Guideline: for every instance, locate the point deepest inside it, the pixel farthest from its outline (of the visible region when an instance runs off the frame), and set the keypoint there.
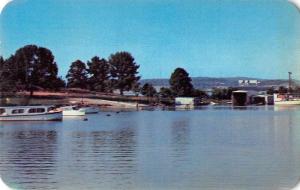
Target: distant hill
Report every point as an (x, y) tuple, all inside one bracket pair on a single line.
[(210, 82)]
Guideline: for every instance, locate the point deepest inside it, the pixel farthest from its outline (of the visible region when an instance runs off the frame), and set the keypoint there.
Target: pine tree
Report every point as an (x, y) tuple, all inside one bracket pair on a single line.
[(148, 90), (32, 67), (99, 74), (124, 71), (77, 75), (181, 83)]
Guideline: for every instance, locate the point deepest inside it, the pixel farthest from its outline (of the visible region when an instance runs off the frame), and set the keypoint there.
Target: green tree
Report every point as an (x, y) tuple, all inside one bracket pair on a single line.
[(136, 88), (109, 86), (33, 67), (57, 84), (271, 91), (7, 83), (2, 61), (77, 75), (217, 93), (2, 73), (229, 91), (296, 89), (148, 90), (222, 93), (166, 96), (181, 83), (98, 70), (199, 93), (165, 92), (124, 71), (282, 90)]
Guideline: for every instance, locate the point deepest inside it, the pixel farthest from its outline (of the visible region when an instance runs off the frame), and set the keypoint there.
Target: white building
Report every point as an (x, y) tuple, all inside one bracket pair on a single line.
[(186, 102), (248, 82)]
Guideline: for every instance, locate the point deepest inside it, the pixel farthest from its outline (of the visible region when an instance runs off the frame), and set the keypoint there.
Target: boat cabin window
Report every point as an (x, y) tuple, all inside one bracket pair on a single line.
[(17, 111), (36, 110), (2, 111)]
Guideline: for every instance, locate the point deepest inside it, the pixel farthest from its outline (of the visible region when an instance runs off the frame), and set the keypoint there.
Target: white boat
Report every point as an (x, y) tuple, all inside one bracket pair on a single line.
[(89, 109), (72, 111), (30, 113), (288, 102), (286, 99)]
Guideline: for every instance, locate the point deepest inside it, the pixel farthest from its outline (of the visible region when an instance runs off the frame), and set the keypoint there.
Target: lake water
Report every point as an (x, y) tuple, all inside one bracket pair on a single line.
[(212, 148)]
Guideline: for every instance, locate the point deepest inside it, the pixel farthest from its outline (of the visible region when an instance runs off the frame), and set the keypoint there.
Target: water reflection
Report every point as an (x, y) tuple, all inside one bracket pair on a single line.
[(28, 158), (102, 156), (255, 148), (180, 139)]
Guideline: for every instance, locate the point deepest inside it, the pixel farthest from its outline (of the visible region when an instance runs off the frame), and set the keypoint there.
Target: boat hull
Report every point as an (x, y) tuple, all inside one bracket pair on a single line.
[(89, 110), (73, 113), (56, 116), (287, 103)]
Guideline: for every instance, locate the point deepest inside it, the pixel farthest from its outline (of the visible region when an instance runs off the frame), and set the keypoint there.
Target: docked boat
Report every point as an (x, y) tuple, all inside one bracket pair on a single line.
[(89, 109), (286, 99), (72, 111), (30, 113)]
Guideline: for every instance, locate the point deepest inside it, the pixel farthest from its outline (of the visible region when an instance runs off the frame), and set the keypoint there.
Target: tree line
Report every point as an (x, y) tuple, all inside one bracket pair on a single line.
[(32, 68), (120, 72)]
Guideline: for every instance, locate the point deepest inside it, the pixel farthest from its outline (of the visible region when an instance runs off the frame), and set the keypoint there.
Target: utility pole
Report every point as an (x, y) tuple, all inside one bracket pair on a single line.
[(290, 82)]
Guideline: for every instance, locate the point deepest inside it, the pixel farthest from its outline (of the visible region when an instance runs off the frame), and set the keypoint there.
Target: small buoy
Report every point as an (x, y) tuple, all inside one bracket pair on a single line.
[(107, 114), (85, 119)]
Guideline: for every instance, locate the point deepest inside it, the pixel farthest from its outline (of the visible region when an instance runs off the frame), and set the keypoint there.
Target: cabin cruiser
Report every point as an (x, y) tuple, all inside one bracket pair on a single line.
[(286, 99), (30, 113)]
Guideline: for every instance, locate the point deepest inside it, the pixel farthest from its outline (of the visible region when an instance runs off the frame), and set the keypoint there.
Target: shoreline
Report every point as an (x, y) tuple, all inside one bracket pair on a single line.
[(64, 98), (104, 100)]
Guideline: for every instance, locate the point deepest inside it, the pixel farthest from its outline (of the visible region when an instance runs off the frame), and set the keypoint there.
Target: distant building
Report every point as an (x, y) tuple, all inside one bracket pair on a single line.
[(248, 82), (127, 93)]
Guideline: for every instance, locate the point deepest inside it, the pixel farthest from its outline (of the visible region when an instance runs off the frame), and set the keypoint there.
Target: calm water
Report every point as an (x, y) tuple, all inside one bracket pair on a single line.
[(213, 148)]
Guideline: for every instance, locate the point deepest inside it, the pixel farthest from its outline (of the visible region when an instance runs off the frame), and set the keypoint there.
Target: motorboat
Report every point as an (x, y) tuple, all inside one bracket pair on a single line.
[(72, 111), (30, 113), (89, 109), (286, 99)]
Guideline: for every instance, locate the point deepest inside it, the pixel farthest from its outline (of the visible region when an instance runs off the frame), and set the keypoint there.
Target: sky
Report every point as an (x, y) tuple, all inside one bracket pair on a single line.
[(209, 38)]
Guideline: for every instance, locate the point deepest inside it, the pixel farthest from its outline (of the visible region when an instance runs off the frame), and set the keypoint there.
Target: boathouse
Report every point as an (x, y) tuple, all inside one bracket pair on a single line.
[(242, 97)]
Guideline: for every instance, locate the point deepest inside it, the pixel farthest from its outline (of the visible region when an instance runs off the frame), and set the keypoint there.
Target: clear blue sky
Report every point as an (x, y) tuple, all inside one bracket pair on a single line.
[(216, 38)]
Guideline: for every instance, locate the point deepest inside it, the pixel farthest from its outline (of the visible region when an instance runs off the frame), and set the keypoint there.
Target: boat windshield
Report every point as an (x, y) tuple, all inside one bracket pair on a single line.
[(51, 109)]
